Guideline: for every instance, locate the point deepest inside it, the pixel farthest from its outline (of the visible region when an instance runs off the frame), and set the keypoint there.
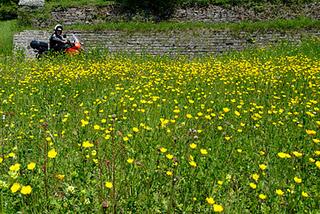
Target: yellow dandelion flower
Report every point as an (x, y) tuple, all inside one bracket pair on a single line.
[(31, 166), (125, 138), (203, 151), (189, 116), (26, 190), (318, 164), (108, 185), (284, 155), (87, 144), (262, 166), (262, 153), (262, 196), (60, 176), (169, 173), (279, 192), (253, 185), (226, 110), (193, 145), (297, 180), (15, 187), (237, 113), (130, 160), (135, 129), (193, 163), (52, 153), (15, 167), (297, 154), (96, 127), (311, 160), (316, 141), (210, 200), (163, 150), (255, 176), (84, 122), (169, 156), (311, 132), (217, 208), (304, 194)]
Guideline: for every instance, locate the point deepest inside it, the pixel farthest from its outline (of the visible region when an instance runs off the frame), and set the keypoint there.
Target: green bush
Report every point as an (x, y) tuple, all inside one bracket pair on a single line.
[(161, 9), (8, 9)]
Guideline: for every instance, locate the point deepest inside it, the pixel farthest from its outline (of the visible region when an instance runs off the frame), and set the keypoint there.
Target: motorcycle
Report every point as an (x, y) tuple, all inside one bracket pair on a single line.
[(42, 48)]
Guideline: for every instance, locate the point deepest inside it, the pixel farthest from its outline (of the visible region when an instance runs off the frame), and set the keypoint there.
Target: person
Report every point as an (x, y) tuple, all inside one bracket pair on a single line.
[(57, 42)]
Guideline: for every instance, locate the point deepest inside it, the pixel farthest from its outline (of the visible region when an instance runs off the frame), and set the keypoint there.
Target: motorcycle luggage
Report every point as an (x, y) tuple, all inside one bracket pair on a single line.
[(40, 46)]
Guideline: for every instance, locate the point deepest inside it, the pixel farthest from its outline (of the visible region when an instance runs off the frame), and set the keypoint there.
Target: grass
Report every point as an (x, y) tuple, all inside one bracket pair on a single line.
[(278, 25), (143, 134), (68, 3), (7, 30)]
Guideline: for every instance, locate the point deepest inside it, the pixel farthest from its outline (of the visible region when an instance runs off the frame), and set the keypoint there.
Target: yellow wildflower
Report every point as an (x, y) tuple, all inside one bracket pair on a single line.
[(262, 166), (284, 155), (203, 151), (304, 194), (87, 144), (210, 200), (217, 208), (163, 150), (311, 132), (15, 167), (253, 185), (262, 196), (52, 153), (279, 192), (297, 180), (26, 190), (31, 166), (108, 185), (193, 163), (15, 187), (130, 160), (193, 145), (255, 176)]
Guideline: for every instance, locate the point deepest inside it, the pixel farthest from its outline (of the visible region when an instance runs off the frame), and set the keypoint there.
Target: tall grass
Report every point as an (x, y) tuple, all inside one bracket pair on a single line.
[(7, 30), (145, 134)]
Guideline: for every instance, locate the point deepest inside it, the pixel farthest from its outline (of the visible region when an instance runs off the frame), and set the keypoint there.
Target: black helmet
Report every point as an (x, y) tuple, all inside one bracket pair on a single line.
[(58, 27)]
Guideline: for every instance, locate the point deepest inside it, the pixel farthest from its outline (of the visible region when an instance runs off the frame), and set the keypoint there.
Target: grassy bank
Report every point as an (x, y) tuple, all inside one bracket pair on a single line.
[(279, 25)]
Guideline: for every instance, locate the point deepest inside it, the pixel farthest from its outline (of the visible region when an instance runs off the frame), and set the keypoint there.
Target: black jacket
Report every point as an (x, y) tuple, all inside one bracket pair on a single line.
[(57, 43)]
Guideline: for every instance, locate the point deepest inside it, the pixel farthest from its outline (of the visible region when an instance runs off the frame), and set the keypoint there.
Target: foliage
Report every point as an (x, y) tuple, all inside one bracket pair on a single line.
[(162, 9), (142, 134), (8, 10)]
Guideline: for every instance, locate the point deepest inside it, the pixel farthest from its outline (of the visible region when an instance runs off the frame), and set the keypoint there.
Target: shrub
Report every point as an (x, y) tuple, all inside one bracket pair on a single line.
[(8, 9), (161, 9)]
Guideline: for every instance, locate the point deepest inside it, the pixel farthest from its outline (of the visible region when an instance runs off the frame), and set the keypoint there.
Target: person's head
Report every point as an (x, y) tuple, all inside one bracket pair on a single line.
[(58, 29)]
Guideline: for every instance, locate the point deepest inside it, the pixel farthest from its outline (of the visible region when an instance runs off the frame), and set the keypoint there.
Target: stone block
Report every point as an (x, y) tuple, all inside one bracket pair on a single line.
[(31, 3)]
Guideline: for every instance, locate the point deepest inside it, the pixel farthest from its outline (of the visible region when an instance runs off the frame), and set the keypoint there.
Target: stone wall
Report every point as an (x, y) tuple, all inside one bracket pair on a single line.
[(198, 42), (215, 14)]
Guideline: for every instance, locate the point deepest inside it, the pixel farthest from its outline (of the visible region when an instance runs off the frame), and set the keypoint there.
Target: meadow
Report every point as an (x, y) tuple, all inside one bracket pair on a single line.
[(102, 133)]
